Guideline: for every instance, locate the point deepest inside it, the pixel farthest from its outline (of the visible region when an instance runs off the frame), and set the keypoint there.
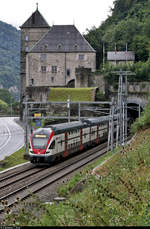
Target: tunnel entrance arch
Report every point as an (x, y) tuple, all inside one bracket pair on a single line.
[(133, 111)]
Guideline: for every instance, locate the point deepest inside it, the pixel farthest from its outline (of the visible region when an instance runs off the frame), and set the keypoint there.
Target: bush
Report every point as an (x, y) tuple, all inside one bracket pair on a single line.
[(76, 94), (3, 106), (144, 120)]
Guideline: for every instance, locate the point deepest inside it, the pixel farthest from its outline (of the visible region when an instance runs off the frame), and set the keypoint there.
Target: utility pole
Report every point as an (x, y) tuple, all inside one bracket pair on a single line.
[(26, 129), (79, 111), (68, 106), (111, 127), (122, 106), (125, 103)]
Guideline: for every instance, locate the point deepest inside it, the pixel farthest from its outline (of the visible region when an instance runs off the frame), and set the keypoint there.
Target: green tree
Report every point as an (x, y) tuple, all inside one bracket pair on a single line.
[(141, 46), (3, 106), (122, 7), (129, 23), (94, 36), (6, 96)]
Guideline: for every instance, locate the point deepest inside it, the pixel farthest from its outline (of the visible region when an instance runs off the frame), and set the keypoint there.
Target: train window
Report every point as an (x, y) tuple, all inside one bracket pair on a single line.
[(61, 142), (52, 146), (40, 142)]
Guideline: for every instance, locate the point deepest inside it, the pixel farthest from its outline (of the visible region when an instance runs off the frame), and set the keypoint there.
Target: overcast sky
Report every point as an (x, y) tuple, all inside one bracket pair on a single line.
[(83, 13)]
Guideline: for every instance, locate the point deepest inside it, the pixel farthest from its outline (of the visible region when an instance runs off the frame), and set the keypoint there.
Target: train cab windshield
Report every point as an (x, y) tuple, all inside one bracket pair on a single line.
[(39, 141)]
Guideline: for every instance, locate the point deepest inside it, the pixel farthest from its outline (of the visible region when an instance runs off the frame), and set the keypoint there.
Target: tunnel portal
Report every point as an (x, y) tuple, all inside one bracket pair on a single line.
[(133, 111)]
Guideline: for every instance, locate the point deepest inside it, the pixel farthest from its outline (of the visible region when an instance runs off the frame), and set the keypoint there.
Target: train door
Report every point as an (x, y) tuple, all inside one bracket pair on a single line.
[(61, 143), (56, 139), (81, 137), (97, 138), (66, 145)]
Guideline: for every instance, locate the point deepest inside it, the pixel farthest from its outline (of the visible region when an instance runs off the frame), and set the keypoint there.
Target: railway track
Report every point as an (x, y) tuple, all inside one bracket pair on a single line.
[(32, 179)]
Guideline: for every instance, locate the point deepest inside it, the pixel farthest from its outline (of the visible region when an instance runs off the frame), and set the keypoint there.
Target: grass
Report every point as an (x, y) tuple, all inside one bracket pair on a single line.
[(12, 160), (76, 94), (64, 190), (118, 195)]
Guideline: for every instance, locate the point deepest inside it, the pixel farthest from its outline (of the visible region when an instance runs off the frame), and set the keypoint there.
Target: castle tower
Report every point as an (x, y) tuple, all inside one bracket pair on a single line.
[(31, 32)]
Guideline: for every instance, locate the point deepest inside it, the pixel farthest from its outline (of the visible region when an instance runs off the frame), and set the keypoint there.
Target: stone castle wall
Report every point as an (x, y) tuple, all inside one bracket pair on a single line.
[(63, 62), (29, 36)]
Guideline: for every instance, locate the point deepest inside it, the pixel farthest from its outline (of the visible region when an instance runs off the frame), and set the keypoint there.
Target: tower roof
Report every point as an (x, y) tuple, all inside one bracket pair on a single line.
[(36, 20), (63, 38)]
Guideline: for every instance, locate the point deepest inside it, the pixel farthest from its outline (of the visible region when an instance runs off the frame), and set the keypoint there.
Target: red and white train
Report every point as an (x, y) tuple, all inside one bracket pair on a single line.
[(60, 140)]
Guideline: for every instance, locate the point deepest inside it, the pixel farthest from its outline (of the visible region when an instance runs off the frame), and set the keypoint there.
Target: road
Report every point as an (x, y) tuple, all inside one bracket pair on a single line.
[(11, 136)]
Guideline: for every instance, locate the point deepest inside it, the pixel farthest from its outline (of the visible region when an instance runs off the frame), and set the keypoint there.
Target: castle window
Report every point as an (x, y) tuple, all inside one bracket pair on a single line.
[(59, 46), (26, 38), (43, 57), (45, 46), (81, 57), (54, 69), (27, 49), (68, 72), (76, 46), (31, 82), (68, 34), (43, 69), (52, 79)]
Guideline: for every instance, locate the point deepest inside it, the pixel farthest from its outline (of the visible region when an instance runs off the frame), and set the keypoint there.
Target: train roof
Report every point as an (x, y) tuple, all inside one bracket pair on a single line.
[(59, 128), (97, 120)]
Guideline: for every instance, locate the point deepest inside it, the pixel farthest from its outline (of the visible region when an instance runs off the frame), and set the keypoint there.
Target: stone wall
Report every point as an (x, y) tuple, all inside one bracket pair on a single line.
[(129, 62), (82, 77), (86, 78), (63, 61), (38, 93), (134, 87), (29, 36)]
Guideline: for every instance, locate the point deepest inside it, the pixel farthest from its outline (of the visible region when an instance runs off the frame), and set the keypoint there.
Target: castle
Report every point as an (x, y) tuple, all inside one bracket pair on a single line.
[(50, 57)]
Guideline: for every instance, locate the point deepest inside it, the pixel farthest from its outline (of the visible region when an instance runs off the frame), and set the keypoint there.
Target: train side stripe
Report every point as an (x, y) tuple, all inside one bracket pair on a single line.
[(50, 138)]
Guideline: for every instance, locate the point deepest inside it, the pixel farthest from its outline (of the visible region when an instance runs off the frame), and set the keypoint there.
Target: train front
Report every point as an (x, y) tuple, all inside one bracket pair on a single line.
[(40, 150)]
